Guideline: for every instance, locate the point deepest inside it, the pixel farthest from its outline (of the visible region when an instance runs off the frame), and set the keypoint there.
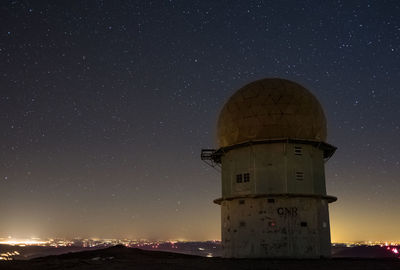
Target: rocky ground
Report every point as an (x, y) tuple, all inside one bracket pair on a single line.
[(120, 257)]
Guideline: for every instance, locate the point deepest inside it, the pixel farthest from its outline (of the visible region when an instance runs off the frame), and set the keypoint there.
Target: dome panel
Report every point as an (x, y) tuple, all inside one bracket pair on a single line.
[(271, 109)]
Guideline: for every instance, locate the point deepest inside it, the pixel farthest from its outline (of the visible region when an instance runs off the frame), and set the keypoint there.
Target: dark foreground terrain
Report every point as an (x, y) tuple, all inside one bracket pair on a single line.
[(120, 257)]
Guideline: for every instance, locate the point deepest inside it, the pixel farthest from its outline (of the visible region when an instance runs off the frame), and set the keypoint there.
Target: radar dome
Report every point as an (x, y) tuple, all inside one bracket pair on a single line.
[(271, 109)]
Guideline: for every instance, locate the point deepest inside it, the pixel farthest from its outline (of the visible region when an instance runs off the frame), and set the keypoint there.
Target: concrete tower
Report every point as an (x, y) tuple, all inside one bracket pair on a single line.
[(272, 149)]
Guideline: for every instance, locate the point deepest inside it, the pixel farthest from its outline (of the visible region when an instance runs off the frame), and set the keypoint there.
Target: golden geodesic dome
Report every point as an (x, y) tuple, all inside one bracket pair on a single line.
[(271, 109)]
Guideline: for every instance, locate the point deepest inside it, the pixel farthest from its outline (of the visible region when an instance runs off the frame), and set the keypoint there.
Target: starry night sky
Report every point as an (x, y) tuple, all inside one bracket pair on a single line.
[(105, 106)]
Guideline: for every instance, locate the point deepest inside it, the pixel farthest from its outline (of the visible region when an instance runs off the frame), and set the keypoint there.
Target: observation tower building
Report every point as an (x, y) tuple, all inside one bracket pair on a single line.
[(272, 150)]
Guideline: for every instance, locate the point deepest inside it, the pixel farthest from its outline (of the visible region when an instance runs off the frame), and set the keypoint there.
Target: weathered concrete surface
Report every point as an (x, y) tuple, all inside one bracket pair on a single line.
[(282, 211), (274, 168), (275, 226)]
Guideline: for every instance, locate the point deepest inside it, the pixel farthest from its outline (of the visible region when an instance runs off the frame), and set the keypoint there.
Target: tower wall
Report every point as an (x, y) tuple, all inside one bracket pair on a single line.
[(274, 202), (275, 226), (273, 168)]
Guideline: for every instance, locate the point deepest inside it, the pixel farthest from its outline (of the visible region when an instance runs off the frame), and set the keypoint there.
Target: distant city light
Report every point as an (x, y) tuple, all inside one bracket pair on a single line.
[(210, 248), (8, 256), (24, 242)]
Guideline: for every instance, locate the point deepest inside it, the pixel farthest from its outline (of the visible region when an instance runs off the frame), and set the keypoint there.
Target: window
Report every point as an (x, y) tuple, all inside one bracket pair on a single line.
[(303, 224), (242, 224), (239, 178), (271, 200), (298, 150), (241, 201), (246, 177), (300, 176), (242, 178)]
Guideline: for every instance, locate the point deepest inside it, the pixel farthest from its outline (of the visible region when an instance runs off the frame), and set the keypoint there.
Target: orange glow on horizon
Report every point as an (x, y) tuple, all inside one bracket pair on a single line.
[(23, 242)]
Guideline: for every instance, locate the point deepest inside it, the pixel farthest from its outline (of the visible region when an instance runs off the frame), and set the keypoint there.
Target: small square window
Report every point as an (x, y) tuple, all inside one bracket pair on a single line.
[(271, 200), (298, 150), (303, 224), (239, 178), (246, 177), (300, 176), (242, 224), (241, 201)]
